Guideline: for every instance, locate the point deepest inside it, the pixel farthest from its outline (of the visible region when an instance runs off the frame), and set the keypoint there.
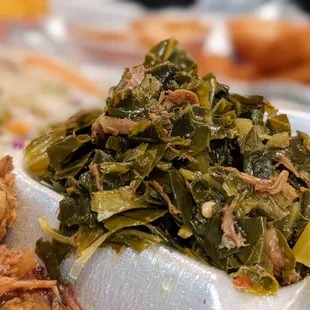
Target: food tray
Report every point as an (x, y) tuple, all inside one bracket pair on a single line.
[(159, 277)]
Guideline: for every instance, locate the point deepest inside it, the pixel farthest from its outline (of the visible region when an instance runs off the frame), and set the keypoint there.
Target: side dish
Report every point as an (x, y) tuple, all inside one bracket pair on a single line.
[(264, 49), (48, 92), (24, 281), (179, 160)]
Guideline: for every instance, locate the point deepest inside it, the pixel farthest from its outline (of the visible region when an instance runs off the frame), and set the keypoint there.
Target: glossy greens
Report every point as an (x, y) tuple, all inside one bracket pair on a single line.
[(177, 159)]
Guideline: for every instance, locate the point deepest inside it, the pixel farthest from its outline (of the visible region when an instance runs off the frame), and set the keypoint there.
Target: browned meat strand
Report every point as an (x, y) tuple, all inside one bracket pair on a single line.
[(230, 238), (111, 125)]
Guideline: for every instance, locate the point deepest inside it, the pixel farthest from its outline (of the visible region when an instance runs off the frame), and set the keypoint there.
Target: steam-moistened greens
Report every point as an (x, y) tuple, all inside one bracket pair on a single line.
[(179, 160)]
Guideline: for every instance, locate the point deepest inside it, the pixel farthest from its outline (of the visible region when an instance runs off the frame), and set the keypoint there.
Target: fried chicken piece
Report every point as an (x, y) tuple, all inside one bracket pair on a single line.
[(8, 201), (24, 282), (270, 45), (29, 301)]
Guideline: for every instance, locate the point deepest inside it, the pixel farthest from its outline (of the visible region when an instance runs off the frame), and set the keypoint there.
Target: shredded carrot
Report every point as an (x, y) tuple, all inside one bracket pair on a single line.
[(63, 72), (21, 129)]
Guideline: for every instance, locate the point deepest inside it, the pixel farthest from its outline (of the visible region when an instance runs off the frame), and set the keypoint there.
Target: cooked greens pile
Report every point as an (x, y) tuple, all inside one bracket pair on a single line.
[(177, 159)]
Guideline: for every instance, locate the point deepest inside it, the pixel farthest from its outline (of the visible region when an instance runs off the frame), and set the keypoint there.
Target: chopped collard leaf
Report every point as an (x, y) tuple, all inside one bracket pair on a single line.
[(177, 159)]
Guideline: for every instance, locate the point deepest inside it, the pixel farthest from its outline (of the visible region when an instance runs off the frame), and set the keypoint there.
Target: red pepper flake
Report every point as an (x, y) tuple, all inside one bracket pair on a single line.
[(242, 282)]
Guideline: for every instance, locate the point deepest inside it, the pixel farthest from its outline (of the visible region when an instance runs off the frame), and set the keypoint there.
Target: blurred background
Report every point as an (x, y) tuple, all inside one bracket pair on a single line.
[(57, 57)]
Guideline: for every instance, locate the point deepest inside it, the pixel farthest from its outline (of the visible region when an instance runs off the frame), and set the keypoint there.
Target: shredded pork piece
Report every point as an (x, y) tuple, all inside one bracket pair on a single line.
[(8, 201), (159, 113), (172, 208), (133, 80), (94, 170), (69, 297), (289, 193), (272, 186), (190, 158), (277, 256), (31, 301), (273, 250), (110, 125), (135, 77), (230, 238), (24, 283), (16, 263), (16, 271), (286, 162), (8, 284), (179, 96)]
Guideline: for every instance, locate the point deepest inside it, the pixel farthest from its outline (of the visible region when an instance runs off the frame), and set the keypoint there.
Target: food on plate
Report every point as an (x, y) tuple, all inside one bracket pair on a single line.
[(264, 49), (177, 159), (271, 45), (8, 201), (24, 284), (63, 73), (126, 42), (190, 32), (24, 281), (48, 91)]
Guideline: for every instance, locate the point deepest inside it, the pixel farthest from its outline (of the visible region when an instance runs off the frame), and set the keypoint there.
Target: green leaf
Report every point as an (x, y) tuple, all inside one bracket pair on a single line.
[(76, 210), (133, 218), (73, 168), (181, 198), (87, 236), (135, 153), (46, 252), (36, 155), (254, 230), (279, 123), (135, 239), (279, 141), (65, 147), (259, 164), (108, 203)]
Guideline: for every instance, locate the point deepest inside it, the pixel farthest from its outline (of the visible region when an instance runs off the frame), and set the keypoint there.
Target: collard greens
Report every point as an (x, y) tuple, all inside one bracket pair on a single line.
[(179, 160)]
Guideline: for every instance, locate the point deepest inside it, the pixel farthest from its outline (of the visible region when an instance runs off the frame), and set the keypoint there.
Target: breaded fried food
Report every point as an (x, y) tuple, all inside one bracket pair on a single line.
[(8, 201), (270, 45)]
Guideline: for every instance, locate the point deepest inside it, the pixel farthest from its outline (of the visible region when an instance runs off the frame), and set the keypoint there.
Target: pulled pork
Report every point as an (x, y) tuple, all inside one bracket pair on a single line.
[(274, 186), (273, 250), (8, 201), (110, 125), (230, 238), (286, 162), (21, 276), (179, 96), (276, 255), (130, 80), (24, 282)]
